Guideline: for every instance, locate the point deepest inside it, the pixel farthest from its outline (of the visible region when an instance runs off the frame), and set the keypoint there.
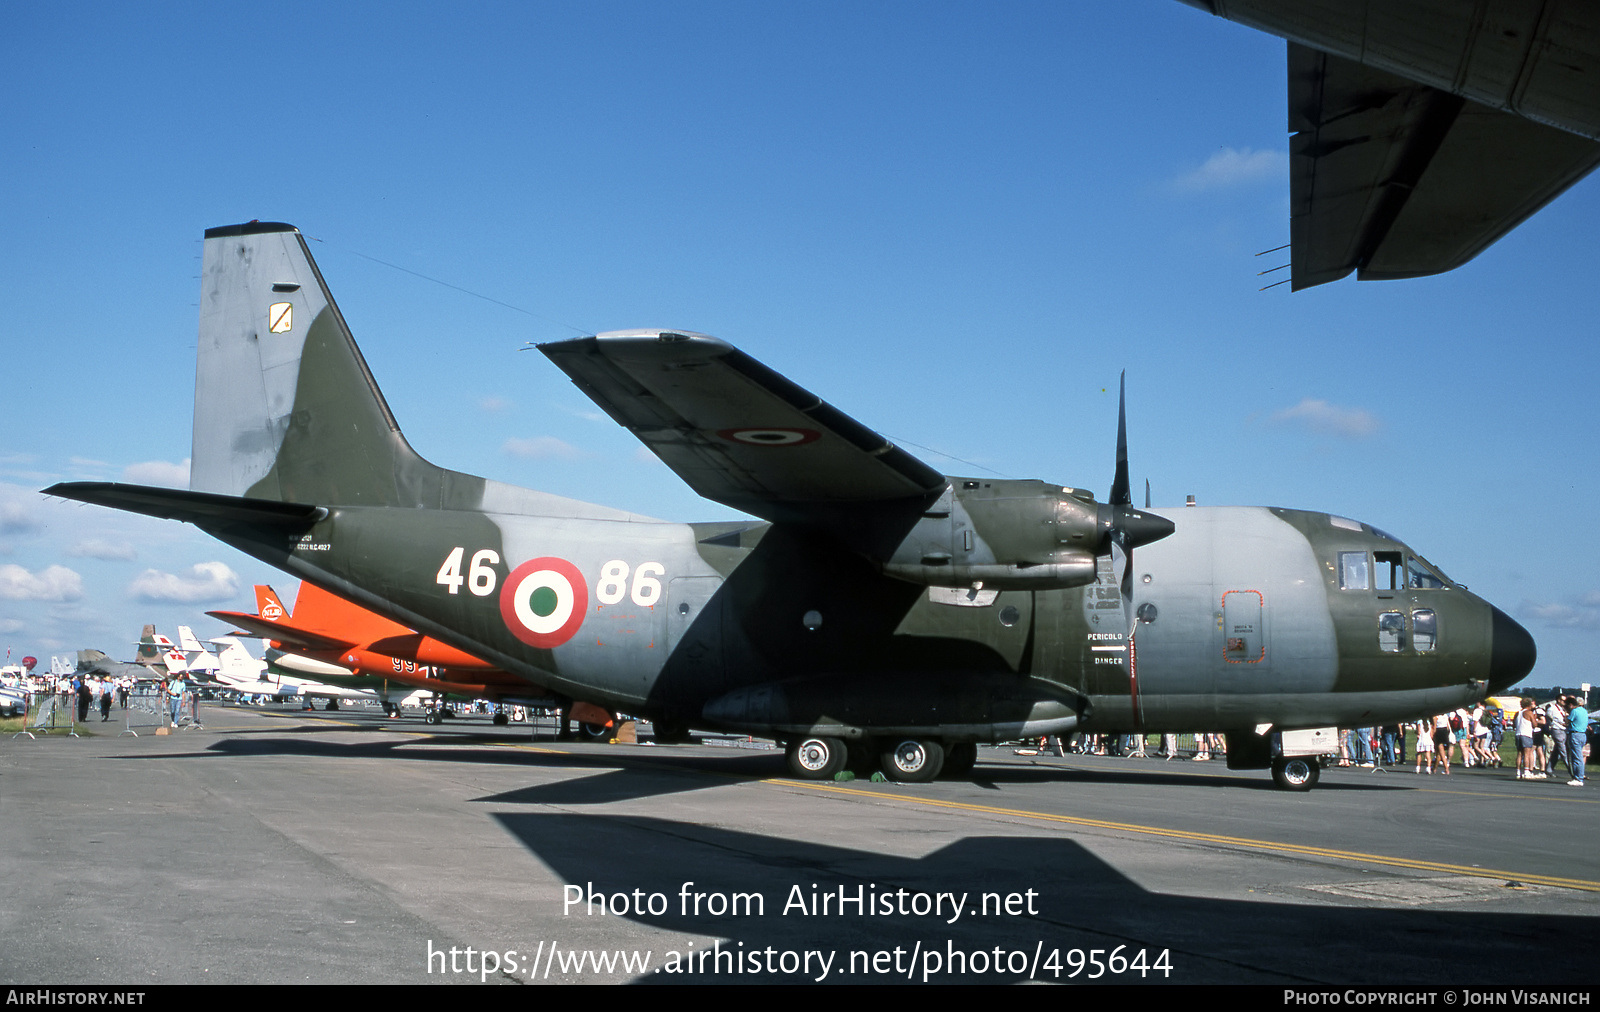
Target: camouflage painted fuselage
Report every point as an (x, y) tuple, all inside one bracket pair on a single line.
[(773, 629)]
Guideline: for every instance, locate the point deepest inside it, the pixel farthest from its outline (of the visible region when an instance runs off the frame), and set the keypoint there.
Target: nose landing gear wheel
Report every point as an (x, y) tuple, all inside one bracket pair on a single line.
[(913, 761), (1296, 773), (816, 757)]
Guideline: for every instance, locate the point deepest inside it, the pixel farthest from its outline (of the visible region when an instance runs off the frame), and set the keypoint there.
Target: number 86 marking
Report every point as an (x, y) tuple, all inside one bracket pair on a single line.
[(613, 585)]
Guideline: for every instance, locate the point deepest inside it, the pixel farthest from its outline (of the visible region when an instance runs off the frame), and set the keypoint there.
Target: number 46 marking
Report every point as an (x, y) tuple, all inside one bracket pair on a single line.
[(480, 578)]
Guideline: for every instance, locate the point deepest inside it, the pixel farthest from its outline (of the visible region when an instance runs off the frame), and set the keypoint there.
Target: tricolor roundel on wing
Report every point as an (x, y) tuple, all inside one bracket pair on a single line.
[(770, 437), (543, 602)]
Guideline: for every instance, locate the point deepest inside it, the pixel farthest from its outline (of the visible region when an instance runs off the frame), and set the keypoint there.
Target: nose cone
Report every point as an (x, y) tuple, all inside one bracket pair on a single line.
[(1512, 654)]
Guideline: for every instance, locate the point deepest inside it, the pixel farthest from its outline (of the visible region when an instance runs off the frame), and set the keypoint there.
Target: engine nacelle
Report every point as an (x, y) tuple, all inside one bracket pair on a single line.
[(1004, 534)]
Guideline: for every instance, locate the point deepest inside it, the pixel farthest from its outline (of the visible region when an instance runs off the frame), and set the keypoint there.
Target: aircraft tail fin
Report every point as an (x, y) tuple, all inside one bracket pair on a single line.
[(267, 604), (285, 406), (149, 652), (187, 641), (235, 661)]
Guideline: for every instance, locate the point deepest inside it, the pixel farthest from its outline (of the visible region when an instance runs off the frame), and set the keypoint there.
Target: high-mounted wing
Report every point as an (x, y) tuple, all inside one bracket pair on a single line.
[(742, 435), (1396, 179)]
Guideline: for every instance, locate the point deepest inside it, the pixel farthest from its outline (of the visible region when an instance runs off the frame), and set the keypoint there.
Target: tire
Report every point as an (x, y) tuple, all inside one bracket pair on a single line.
[(1296, 773), (913, 761), (671, 732), (959, 758), (431, 717), (501, 718), (594, 732), (815, 757)]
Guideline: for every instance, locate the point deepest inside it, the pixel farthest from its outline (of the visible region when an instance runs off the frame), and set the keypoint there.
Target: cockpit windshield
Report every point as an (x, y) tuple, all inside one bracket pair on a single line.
[(1421, 576)]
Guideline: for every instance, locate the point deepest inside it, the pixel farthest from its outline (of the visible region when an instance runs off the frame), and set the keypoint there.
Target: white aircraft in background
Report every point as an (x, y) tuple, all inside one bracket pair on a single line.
[(233, 668)]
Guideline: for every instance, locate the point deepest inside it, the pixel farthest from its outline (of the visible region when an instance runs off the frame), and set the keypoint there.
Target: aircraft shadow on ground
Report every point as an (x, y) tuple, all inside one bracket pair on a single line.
[(1082, 903)]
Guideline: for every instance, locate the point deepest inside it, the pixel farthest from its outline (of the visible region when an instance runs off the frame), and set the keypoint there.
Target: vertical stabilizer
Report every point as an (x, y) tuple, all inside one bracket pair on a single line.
[(267, 604), (285, 406)]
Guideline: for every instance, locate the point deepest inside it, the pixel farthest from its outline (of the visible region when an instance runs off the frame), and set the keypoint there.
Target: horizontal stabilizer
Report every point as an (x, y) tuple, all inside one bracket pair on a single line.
[(203, 509), (282, 632)]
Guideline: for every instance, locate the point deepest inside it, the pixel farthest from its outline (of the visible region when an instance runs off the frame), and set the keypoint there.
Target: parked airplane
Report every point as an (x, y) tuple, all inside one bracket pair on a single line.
[(335, 640), (155, 658), (877, 604), (233, 668), (1423, 132)]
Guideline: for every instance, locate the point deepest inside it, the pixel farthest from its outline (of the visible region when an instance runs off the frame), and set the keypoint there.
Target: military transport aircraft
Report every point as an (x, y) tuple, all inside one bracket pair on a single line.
[(1425, 131), (878, 608)]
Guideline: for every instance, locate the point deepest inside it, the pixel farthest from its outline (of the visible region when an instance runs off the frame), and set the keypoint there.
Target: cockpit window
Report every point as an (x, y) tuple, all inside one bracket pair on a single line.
[(1420, 577), (1389, 575), (1353, 572)]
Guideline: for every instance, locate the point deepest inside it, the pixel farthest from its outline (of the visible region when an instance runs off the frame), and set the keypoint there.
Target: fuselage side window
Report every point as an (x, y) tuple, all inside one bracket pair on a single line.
[(1424, 629), (1353, 573), (1389, 574), (1391, 631)]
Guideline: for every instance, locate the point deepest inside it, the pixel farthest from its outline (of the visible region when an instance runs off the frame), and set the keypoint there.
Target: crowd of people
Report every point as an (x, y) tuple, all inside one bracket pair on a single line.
[(1468, 738)]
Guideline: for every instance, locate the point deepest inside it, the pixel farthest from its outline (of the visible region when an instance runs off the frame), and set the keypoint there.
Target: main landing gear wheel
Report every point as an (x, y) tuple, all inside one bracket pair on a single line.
[(501, 718), (1296, 773), (959, 758), (815, 757), (432, 717), (594, 732), (913, 761)]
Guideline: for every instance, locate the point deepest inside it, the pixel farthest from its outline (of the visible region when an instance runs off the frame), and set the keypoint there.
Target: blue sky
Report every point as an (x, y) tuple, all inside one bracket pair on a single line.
[(956, 223)]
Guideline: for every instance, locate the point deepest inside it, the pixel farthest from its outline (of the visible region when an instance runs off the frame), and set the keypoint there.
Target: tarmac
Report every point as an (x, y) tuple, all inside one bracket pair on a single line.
[(277, 846)]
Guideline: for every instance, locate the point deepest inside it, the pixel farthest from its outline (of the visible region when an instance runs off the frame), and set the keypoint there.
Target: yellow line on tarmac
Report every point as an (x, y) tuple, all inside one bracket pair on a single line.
[(1230, 841)]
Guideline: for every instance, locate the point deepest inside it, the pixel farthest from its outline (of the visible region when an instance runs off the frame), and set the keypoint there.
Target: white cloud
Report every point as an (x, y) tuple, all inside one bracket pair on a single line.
[(17, 509), (541, 448), (12, 625), (493, 404), (57, 583), (1583, 613), (1330, 419), (1234, 167), (99, 548), (209, 581), (158, 472)]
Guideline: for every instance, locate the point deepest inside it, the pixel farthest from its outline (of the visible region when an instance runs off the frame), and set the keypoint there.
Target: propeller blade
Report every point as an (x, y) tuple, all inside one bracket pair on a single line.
[(1120, 495), (1128, 528)]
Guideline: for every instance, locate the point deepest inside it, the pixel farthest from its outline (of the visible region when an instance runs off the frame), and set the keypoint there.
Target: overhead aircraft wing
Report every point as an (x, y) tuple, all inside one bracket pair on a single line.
[(742, 435), (1395, 179)]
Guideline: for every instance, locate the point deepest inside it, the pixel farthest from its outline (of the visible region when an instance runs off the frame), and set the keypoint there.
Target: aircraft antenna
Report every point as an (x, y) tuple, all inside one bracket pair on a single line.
[(1276, 284), (465, 291), (1274, 249)]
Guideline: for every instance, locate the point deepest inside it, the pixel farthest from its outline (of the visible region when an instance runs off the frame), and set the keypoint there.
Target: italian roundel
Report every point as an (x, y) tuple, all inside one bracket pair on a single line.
[(543, 602)]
